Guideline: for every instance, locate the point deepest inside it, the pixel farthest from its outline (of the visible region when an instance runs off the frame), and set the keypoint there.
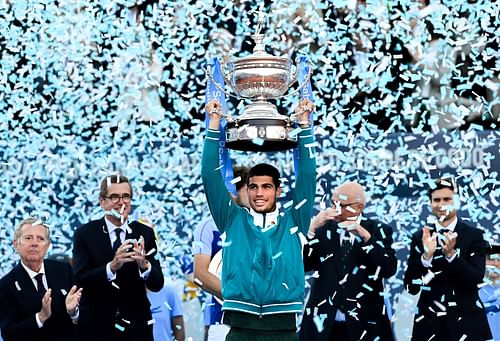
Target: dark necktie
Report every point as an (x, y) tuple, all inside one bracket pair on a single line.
[(39, 284), (118, 240), (345, 250), (443, 231)]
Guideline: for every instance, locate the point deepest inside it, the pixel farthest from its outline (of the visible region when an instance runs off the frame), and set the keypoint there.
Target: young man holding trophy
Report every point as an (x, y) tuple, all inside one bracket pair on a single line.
[(262, 275)]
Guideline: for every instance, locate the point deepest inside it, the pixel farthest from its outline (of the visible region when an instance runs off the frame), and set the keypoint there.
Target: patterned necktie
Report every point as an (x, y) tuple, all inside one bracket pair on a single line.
[(118, 240), (39, 284)]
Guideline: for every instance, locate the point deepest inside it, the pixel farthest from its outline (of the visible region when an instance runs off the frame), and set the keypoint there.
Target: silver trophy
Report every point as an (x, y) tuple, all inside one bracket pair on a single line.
[(260, 77)]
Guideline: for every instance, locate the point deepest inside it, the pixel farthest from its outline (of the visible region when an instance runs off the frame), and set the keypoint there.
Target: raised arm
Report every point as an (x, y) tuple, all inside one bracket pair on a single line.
[(305, 183), (219, 201)]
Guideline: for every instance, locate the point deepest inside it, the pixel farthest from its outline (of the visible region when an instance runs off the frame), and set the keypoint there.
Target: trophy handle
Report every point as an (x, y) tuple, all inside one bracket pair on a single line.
[(225, 73), (208, 71), (294, 78)]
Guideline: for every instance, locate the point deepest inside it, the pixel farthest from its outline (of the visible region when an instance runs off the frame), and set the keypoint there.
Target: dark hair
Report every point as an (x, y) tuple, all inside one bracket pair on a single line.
[(242, 172), (440, 184), (264, 169), (113, 179)]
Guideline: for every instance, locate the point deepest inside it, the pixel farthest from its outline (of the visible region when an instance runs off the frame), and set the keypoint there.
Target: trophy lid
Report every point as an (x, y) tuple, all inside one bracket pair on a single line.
[(260, 56)]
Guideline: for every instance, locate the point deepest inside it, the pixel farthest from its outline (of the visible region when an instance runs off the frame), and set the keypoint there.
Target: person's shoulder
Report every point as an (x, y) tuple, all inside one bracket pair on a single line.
[(9, 277), (324, 231), (91, 225), (206, 223), (375, 225), (468, 227), (141, 228), (57, 265)]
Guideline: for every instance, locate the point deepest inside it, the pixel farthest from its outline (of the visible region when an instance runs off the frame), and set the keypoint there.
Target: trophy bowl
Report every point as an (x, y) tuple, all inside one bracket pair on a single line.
[(260, 76)]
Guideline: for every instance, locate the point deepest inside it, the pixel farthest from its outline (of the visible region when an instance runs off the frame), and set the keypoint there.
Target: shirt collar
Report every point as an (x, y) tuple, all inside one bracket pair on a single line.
[(112, 227), (451, 226), (32, 273), (349, 235)]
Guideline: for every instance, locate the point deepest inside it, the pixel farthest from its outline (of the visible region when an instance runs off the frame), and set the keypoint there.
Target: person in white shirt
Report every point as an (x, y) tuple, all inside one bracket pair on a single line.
[(38, 298), (115, 262), (351, 256), (446, 265)]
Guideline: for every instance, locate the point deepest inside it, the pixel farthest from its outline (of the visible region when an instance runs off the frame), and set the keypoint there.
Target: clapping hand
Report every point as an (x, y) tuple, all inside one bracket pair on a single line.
[(429, 241), (46, 311), (139, 254), (355, 228), (73, 300), (448, 243)]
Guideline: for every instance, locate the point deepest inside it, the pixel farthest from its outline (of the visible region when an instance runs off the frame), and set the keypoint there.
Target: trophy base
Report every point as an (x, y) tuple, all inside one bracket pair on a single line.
[(260, 134)]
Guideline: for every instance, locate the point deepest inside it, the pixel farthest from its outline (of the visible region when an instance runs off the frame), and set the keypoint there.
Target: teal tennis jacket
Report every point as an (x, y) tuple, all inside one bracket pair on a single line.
[(262, 271)]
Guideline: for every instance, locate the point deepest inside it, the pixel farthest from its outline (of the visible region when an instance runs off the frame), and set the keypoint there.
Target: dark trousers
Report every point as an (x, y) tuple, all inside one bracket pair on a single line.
[(249, 327), (338, 331), (242, 334), (443, 334)]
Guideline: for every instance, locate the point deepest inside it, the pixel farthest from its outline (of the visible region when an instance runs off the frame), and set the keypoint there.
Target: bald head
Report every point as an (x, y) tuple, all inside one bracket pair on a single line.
[(349, 193)]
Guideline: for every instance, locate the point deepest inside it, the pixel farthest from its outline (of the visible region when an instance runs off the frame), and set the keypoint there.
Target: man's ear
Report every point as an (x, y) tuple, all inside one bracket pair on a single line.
[(278, 192)]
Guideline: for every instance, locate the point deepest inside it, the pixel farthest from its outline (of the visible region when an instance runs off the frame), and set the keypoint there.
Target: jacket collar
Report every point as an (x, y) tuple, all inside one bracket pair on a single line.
[(264, 220)]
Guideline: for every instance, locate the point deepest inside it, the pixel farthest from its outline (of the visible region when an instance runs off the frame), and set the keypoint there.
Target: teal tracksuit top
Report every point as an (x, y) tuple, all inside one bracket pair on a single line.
[(262, 270)]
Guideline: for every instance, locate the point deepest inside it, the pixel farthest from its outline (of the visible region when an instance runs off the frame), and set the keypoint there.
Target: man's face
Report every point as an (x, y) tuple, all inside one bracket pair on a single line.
[(118, 198), (32, 244), (346, 206), (443, 204), (262, 193)]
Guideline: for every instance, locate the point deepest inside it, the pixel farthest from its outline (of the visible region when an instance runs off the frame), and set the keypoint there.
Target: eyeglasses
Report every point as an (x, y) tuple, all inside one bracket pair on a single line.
[(348, 206), (116, 197)]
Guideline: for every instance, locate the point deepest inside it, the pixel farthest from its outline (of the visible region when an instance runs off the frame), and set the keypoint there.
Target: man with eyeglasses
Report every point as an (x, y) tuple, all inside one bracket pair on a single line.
[(114, 262), (38, 299), (351, 256)]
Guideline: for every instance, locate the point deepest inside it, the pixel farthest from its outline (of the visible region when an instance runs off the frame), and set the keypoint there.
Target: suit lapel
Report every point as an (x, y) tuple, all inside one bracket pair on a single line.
[(460, 231), (335, 240), (102, 240), (26, 287), (130, 233)]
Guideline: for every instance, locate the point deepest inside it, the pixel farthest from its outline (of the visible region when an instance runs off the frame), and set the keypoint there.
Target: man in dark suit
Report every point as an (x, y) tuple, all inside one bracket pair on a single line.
[(114, 262), (38, 300), (351, 255), (446, 264)]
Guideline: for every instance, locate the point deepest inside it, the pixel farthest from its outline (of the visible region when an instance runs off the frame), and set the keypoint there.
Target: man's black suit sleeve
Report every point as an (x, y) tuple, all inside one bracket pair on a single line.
[(311, 252), (154, 282), (379, 250), (88, 275), (467, 270), (415, 269), (14, 327)]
